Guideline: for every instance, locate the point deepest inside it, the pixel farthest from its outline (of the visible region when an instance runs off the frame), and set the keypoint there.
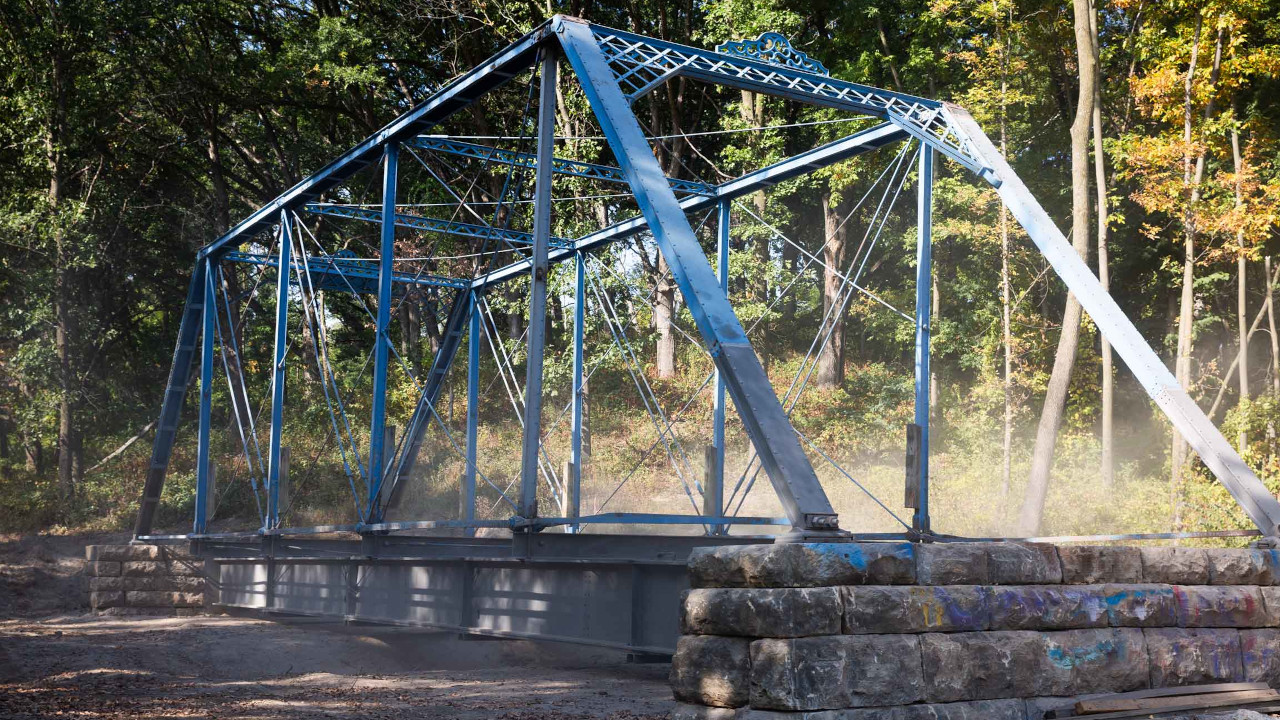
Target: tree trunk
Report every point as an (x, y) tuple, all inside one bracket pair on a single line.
[(831, 356), (663, 311), (752, 113), (1242, 300), (411, 331), (1104, 271), (1186, 313), (1271, 325), (1064, 360), (68, 437)]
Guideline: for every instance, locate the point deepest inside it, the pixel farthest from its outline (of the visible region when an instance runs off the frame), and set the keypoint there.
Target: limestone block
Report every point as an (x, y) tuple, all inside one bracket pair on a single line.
[(101, 568), (142, 552), (1014, 563), (1260, 653), (171, 583), (1095, 660), (105, 584), (143, 568), (1140, 605), (981, 666), (1240, 566), (1175, 565), (711, 670), (687, 711), (1193, 656), (1224, 606), (835, 671), (913, 609), (979, 710), (1047, 607), (752, 714), (952, 564), (149, 598), (1271, 604), (1095, 564), (761, 612), (105, 553), (1037, 708), (103, 600), (803, 565)]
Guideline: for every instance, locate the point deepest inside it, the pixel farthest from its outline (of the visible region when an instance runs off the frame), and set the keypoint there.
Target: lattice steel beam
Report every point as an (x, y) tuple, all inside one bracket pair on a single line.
[(448, 227), (562, 166), (334, 272)]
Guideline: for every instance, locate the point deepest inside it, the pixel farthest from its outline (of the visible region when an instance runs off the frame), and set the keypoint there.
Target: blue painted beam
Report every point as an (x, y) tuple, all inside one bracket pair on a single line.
[(716, 499), (539, 269), (562, 166), (845, 148), (458, 94), (175, 393), (924, 307), (206, 401), (418, 222), (579, 368), (460, 311), (381, 333), (1218, 454), (763, 418), (333, 272), (278, 374), (473, 412)]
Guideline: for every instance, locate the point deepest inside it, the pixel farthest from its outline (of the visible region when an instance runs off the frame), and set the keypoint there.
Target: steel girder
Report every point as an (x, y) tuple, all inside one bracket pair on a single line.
[(335, 272), (447, 227), (562, 166), (616, 67)]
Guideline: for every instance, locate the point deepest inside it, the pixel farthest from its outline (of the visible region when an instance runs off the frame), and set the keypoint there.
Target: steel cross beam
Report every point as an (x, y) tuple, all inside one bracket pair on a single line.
[(562, 166), (845, 148), (418, 222), (641, 63), (333, 272), (762, 415), (492, 73), (175, 392)]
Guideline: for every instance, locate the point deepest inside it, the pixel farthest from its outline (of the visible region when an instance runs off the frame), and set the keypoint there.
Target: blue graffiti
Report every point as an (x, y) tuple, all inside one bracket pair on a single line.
[(1067, 658)]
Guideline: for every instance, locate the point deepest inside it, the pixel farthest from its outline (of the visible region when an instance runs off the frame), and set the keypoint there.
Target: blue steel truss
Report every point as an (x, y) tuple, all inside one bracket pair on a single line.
[(576, 168), (614, 69)]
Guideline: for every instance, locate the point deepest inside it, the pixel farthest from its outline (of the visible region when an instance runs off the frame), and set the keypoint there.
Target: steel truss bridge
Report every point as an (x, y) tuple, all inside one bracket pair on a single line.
[(607, 589)]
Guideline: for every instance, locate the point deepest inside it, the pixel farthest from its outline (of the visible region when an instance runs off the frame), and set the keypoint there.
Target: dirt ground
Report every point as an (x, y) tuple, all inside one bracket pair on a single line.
[(58, 661)]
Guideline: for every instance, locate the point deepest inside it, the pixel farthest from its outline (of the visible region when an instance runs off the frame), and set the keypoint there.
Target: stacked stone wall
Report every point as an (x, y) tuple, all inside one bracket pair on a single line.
[(998, 631), (144, 580)]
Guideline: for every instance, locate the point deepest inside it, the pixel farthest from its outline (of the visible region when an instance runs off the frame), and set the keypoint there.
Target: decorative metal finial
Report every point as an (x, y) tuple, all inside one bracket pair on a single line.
[(774, 49)]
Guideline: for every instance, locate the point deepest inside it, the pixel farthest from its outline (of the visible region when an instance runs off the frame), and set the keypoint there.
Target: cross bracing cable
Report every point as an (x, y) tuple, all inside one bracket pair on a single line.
[(619, 336), (310, 308), (826, 328), (235, 406), (516, 395)]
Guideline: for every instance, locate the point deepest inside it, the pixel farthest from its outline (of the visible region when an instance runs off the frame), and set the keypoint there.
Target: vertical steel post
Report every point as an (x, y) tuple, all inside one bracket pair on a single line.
[(206, 400), (277, 380), (528, 507), (575, 450), (473, 410), (716, 499), (381, 338), (924, 293)]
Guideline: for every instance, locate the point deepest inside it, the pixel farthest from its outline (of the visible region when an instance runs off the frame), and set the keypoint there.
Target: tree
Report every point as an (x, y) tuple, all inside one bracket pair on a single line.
[(1064, 360)]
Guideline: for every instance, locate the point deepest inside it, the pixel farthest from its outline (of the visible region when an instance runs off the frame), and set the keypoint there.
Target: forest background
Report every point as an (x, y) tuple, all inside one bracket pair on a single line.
[(132, 132)]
